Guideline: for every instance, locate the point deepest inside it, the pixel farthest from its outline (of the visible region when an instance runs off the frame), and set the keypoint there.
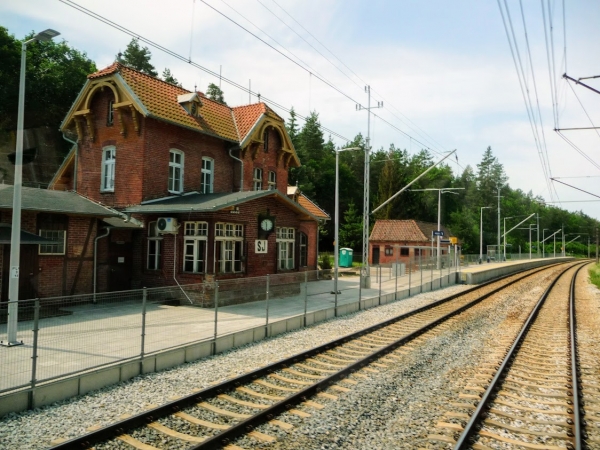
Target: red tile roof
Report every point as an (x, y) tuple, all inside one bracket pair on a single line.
[(160, 100), (312, 207), (404, 230)]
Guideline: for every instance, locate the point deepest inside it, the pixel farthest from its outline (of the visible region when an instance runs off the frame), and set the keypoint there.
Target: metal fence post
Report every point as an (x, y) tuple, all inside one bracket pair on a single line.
[(267, 310), (441, 271), (421, 270), (409, 275), (216, 316), (380, 268), (431, 279), (305, 295), (34, 355), (143, 344)]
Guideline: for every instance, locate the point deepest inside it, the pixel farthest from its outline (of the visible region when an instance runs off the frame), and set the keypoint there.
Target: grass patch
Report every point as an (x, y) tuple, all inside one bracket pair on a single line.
[(595, 274)]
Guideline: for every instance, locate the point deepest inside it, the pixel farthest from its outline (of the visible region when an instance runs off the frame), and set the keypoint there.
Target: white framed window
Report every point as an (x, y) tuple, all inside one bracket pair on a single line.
[(176, 171), (229, 247), (59, 236), (195, 246), (257, 179), (272, 180), (285, 247), (109, 155), (154, 240), (207, 176)]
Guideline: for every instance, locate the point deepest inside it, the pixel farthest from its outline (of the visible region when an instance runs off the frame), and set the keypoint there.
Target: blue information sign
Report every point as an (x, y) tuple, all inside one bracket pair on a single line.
[(438, 233)]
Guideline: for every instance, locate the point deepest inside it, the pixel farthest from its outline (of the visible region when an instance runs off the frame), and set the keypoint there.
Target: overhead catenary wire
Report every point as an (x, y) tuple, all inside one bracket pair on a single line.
[(307, 68), (186, 60), (522, 80)]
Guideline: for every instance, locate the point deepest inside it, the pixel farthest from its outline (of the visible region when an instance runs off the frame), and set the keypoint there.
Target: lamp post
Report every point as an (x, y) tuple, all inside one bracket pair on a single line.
[(15, 238), (336, 244), (543, 240), (481, 232), (530, 239)]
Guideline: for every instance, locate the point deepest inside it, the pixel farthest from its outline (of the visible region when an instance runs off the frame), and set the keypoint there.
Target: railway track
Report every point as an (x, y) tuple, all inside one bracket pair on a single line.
[(216, 416), (531, 397)]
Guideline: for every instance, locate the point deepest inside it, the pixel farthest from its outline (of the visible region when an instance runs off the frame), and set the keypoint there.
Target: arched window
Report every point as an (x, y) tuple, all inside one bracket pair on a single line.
[(266, 140)]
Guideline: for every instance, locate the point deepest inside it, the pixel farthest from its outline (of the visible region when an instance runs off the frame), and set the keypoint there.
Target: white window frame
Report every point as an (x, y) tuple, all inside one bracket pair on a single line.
[(286, 243), (229, 245), (154, 240), (207, 187), (195, 238), (175, 183), (257, 175), (109, 162), (272, 180), (53, 249)]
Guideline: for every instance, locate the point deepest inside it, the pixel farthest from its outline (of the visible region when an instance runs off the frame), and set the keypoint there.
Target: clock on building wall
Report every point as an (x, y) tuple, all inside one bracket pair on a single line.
[(266, 224)]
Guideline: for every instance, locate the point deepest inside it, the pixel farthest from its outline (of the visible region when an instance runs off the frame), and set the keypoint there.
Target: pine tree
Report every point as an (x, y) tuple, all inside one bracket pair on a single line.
[(215, 93), (350, 232), (169, 78), (138, 58), (292, 127)]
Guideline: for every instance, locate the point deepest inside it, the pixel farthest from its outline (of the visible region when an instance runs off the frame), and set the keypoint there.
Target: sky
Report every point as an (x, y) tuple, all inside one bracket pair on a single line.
[(443, 70)]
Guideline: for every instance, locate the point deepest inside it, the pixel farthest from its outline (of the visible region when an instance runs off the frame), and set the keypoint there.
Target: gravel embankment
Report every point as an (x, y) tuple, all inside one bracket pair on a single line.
[(400, 407), (36, 429)]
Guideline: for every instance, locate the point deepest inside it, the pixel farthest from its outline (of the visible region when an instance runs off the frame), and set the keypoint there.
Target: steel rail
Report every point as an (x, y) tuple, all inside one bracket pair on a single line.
[(118, 428), (489, 395), (577, 421)]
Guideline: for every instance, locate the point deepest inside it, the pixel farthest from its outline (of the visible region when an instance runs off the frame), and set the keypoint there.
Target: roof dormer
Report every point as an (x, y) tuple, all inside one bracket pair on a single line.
[(191, 103)]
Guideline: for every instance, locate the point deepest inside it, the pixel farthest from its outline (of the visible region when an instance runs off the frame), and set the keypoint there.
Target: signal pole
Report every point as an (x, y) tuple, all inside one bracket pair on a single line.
[(365, 255)]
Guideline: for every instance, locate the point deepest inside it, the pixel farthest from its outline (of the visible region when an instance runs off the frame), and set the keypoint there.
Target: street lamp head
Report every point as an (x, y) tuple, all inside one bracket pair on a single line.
[(349, 148), (46, 35)]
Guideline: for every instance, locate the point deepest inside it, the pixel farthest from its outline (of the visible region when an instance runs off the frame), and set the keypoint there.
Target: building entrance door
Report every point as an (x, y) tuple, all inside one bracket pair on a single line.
[(28, 272), (375, 256), (120, 264)]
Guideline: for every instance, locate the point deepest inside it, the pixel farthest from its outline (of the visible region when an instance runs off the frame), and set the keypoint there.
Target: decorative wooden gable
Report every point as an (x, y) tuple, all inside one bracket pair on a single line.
[(82, 117), (255, 140)]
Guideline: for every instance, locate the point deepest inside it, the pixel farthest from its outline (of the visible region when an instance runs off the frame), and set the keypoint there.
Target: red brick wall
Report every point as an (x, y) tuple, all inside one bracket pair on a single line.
[(256, 264), (267, 161), (387, 259), (67, 274)]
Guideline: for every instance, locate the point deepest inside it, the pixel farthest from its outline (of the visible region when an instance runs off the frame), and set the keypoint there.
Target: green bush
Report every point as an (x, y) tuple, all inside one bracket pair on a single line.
[(325, 261)]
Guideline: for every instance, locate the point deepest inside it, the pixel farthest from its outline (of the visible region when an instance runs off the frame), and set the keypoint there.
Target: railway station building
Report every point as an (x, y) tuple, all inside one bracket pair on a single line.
[(402, 240), (193, 189)]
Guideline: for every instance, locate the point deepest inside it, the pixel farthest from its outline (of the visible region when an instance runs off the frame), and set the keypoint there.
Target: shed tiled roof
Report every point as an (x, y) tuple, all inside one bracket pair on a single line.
[(312, 207), (404, 230), (160, 100), (44, 200)]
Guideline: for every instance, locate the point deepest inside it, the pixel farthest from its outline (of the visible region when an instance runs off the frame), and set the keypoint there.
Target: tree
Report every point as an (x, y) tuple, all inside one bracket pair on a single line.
[(351, 231), (138, 58), (292, 127), (169, 78), (215, 93), (55, 74)]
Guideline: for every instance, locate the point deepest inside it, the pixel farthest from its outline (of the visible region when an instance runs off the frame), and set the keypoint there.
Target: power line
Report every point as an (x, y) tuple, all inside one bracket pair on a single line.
[(581, 152), (188, 61), (583, 107), (312, 72)]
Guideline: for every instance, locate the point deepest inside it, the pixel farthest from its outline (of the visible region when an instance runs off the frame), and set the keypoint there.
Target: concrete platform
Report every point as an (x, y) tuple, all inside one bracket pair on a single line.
[(98, 345)]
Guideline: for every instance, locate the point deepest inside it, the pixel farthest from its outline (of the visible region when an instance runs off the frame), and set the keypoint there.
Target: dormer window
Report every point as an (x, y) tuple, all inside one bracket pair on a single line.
[(266, 140), (191, 103), (111, 114)]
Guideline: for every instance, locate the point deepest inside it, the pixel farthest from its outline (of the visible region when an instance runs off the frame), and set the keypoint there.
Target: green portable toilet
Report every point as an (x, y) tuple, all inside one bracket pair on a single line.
[(345, 257)]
